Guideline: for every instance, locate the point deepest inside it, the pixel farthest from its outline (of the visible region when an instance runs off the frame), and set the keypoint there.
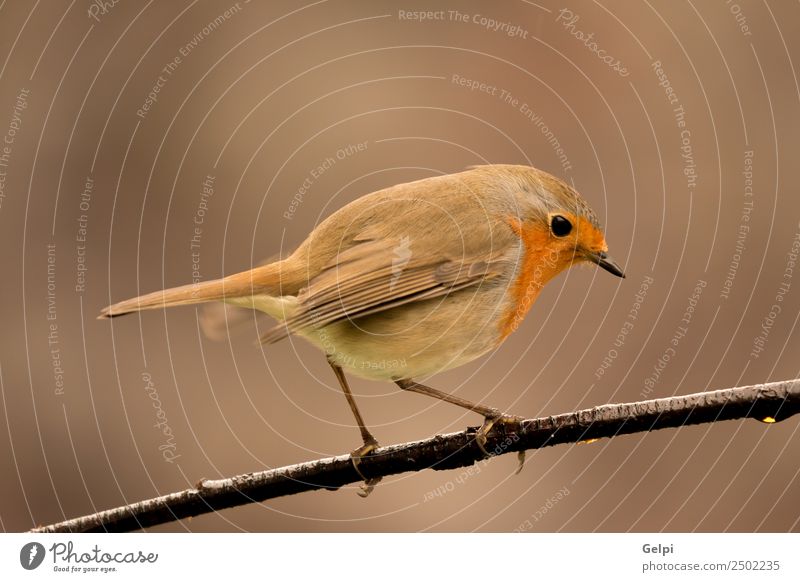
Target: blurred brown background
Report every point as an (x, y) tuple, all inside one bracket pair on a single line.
[(262, 94)]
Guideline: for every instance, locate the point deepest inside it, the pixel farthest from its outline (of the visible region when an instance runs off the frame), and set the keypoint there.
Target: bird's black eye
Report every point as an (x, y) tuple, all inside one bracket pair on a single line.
[(560, 225)]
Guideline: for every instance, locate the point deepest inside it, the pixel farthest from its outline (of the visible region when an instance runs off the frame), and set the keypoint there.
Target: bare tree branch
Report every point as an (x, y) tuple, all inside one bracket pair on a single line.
[(766, 402)]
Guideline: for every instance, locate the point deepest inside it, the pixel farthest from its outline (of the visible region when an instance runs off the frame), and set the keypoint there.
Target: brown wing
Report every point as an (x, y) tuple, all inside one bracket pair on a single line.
[(374, 276)]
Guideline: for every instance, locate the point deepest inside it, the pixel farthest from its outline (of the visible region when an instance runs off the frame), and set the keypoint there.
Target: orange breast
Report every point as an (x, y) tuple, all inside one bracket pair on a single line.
[(540, 263)]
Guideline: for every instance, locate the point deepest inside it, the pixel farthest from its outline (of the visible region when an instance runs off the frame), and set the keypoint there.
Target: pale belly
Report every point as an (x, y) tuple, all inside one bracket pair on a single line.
[(416, 340), (411, 341)]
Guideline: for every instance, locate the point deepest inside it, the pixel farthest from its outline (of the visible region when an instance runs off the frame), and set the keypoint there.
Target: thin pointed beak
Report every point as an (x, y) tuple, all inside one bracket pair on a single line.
[(607, 263)]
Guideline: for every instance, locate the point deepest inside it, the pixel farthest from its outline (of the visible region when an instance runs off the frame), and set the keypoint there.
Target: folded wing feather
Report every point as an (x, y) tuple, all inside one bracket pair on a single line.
[(369, 278)]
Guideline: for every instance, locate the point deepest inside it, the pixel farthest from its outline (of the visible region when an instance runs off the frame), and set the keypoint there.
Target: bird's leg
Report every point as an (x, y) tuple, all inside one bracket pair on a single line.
[(490, 415), (370, 443)]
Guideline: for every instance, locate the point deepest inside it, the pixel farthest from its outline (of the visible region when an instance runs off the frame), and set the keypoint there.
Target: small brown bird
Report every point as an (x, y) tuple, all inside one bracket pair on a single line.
[(417, 278)]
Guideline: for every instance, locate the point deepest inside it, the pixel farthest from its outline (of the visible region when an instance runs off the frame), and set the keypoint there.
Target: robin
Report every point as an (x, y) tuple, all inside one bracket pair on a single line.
[(416, 279)]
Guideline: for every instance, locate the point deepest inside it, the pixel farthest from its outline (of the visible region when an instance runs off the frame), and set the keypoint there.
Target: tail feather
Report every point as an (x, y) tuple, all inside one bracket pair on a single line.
[(183, 295), (269, 279)]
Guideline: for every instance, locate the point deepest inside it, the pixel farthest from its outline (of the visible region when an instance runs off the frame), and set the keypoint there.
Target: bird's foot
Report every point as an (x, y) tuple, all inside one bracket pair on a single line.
[(515, 422), (355, 457)]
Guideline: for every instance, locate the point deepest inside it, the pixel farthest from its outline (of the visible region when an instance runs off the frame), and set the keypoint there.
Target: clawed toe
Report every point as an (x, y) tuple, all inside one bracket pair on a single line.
[(486, 428), (368, 486), (520, 461), (355, 457)]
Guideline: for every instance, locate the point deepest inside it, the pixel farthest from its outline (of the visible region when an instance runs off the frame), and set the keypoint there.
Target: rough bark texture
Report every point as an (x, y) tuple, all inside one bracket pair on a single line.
[(766, 402)]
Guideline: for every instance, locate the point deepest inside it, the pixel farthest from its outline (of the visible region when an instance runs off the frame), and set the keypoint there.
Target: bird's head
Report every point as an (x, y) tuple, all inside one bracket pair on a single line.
[(558, 225)]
